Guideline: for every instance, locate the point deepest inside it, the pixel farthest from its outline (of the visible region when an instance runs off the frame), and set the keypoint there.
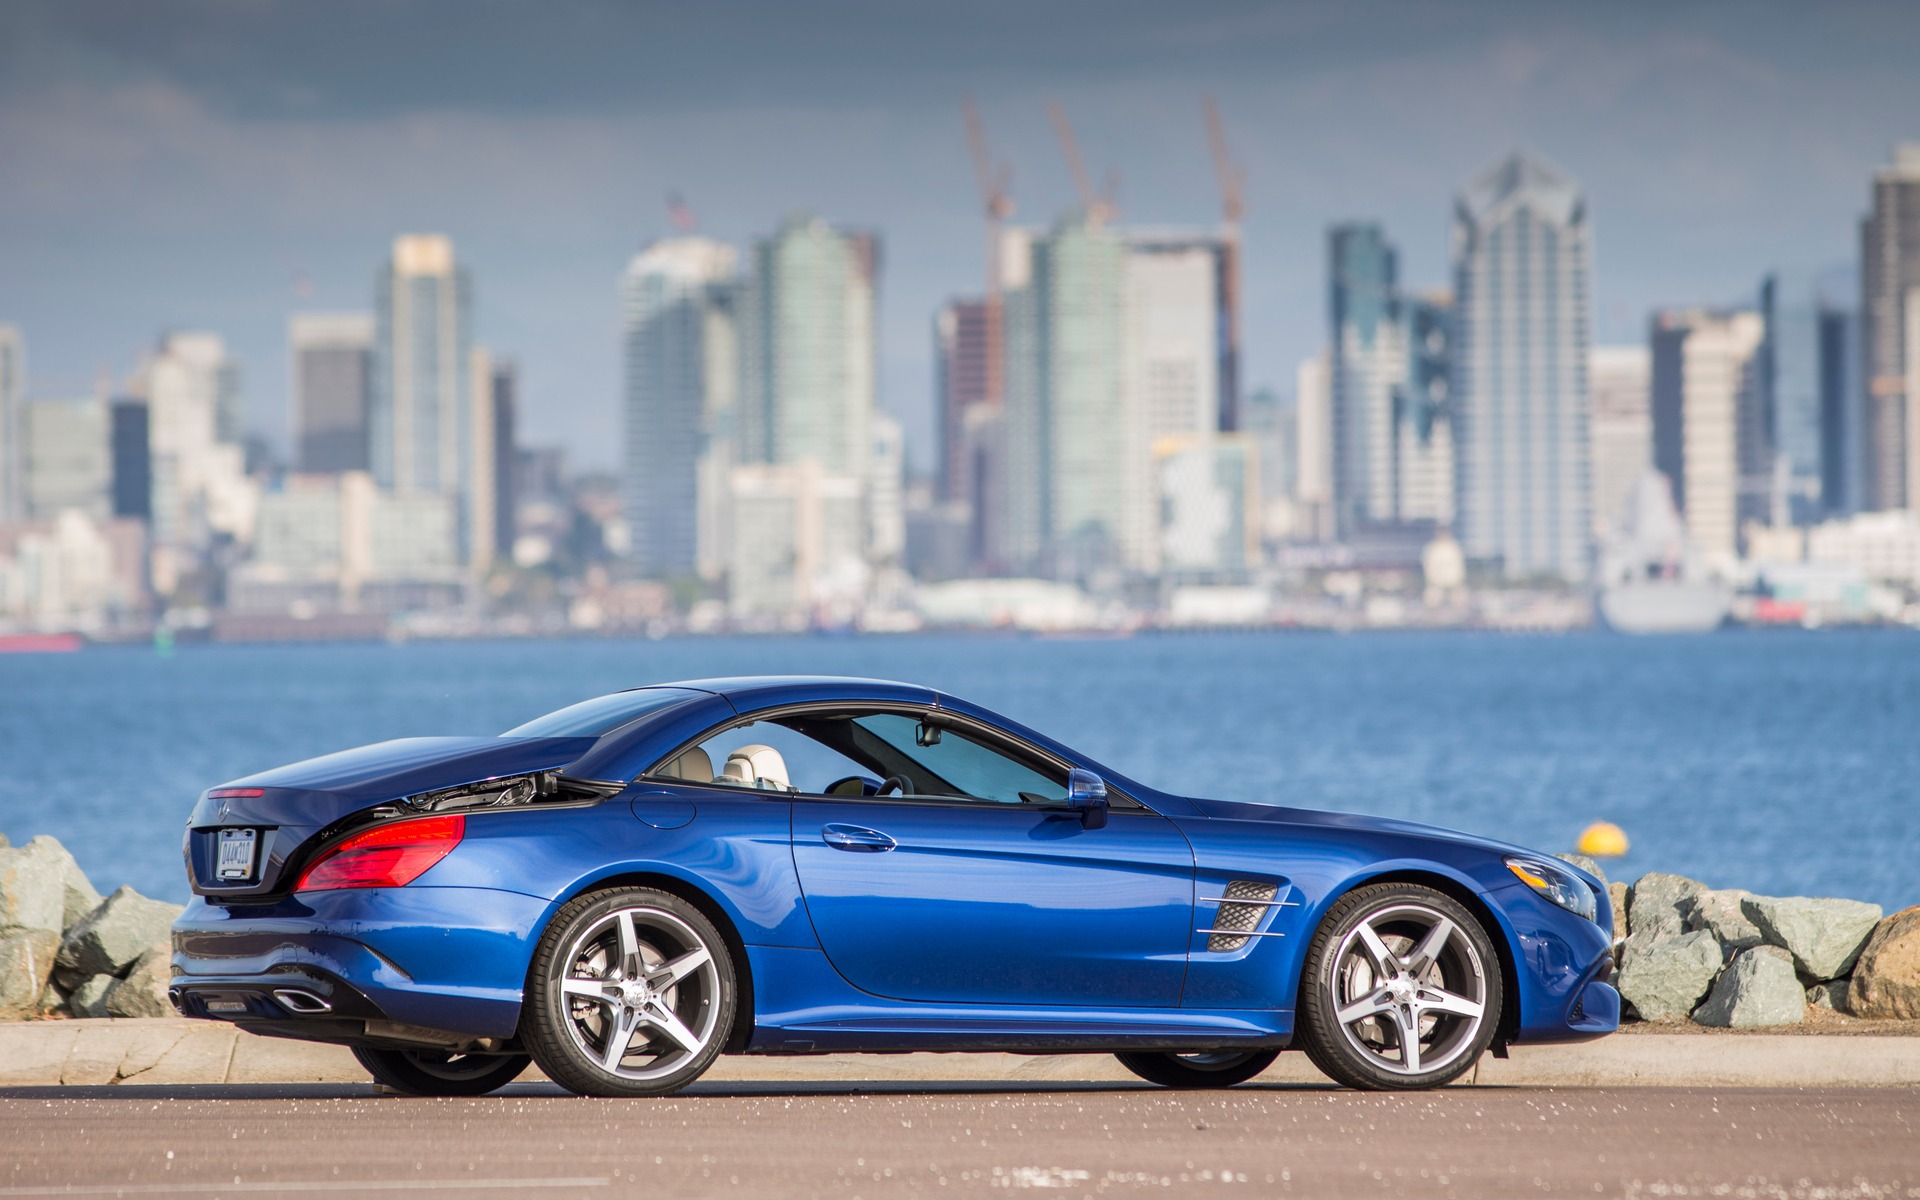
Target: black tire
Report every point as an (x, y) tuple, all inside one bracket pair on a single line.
[(1198, 1069), (1434, 998), (435, 1073), (587, 1040)]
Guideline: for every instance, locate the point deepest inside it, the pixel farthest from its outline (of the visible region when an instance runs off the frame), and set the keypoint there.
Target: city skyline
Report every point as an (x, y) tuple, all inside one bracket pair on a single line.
[(1710, 154)]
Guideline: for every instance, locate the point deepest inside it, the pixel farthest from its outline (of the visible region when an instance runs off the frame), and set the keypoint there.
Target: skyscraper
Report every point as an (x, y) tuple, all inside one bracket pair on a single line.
[(676, 300), (1622, 428), (13, 394), (807, 351), (1708, 379), (1368, 361), (200, 486), (1079, 490), (332, 380), (1841, 441), (420, 432), (505, 400), (1890, 334), (67, 459), (960, 387), (132, 457), (1176, 331), (1522, 264)]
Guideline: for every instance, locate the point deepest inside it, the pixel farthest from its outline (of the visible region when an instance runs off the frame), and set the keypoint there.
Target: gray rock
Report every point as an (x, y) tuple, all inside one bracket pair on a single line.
[(117, 933), (1886, 981), (1759, 989), (32, 910), (143, 993), (1658, 904), (1823, 935), (1719, 913), (90, 998), (79, 899), (1585, 864), (1664, 976), (1617, 896), (1831, 995)]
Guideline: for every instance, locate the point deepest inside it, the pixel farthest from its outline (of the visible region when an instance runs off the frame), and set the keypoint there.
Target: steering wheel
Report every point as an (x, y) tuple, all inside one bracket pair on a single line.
[(896, 783)]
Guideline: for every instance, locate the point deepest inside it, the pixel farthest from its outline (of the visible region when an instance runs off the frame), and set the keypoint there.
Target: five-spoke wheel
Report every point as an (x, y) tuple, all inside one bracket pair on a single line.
[(631, 994), (1401, 989)]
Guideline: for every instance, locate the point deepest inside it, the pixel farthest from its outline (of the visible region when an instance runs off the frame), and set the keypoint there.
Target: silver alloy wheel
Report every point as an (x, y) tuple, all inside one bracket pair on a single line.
[(1409, 989), (642, 993)]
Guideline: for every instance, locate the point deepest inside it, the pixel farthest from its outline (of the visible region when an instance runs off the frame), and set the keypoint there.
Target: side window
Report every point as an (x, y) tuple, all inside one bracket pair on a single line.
[(764, 756), (946, 762)]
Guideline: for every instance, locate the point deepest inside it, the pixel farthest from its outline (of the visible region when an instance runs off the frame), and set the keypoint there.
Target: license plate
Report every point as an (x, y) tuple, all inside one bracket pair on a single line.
[(236, 854)]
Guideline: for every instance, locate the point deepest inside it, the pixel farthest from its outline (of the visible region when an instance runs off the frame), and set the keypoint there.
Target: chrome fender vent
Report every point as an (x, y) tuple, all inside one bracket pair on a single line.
[(1241, 909)]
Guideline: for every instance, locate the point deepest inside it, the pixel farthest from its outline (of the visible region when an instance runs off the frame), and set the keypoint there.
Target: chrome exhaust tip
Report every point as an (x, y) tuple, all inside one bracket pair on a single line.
[(303, 1003)]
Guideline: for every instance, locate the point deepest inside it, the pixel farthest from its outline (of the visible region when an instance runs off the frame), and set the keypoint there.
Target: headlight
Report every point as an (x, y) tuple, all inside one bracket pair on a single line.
[(1556, 883)]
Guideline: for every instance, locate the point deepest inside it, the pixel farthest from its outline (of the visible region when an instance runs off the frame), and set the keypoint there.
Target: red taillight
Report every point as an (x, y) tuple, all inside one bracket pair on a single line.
[(236, 793), (389, 856)]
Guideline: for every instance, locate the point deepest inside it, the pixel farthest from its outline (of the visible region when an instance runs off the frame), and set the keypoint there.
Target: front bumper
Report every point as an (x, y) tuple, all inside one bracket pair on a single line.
[(354, 964)]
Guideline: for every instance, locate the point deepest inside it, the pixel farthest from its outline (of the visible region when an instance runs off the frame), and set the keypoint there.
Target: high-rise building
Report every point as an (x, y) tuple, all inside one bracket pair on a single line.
[(678, 328), (1313, 480), (1079, 491), (1841, 440), (200, 484), (67, 459), (961, 386), (421, 433), (796, 542), (1890, 334), (13, 395), (1176, 331), (807, 353), (1209, 486), (1423, 452), (1619, 380), (1522, 268), (505, 400), (1708, 400), (332, 384), (131, 454)]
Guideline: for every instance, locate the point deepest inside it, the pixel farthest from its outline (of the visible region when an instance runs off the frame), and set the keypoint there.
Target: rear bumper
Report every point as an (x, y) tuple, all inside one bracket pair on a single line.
[(325, 964)]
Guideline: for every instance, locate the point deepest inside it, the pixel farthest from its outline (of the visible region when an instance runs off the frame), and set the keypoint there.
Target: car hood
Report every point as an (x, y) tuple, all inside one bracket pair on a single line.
[(1242, 810)]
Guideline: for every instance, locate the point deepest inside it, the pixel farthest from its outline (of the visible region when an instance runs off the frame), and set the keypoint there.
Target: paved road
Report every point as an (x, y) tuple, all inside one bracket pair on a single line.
[(851, 1140)]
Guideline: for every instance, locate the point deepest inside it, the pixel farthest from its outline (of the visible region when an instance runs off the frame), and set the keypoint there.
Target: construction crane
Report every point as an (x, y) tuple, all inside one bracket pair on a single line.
[(994, 179), (1101, 206), (1233, 178)]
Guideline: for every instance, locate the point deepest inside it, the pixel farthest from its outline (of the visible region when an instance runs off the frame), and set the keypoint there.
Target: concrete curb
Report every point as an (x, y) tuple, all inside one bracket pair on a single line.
[(177, 1051)]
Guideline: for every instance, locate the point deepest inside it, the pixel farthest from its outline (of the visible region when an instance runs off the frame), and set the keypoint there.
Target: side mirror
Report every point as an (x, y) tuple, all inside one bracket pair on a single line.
[(1087, 795)]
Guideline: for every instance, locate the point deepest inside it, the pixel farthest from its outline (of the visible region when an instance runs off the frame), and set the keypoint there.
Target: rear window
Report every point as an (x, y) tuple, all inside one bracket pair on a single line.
[(603, 714)]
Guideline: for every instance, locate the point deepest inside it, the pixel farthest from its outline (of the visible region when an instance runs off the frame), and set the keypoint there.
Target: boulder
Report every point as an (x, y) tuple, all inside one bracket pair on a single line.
[(1663, 977), (1831, 995), (1719, 912), (90, 998), (1585, 864), (1886, 980), (1759, 988), (143, 993), (32, 914), (1617, 894), (123, 928), (79, 898), (1823, 935), (1658, 904)]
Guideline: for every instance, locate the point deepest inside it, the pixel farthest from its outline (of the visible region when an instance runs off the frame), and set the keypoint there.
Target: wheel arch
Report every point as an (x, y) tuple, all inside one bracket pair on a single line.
[(1468, 898), (710, 907)]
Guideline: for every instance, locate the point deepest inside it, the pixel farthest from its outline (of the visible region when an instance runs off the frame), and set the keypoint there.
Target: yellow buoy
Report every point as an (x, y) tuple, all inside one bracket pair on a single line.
[(1603, 839)]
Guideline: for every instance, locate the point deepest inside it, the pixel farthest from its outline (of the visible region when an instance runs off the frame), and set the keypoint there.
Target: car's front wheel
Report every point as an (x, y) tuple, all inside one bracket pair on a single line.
[(1401, 989), (631, 993), (433, 1073), (1198, 1069)]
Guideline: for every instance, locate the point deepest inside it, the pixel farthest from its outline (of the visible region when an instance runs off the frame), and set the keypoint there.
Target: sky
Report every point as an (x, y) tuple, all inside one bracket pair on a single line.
[(221, 164)]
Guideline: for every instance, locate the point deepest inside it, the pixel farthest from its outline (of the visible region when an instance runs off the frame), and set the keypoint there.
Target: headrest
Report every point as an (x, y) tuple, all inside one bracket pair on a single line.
[(693, 765), (759, 765)]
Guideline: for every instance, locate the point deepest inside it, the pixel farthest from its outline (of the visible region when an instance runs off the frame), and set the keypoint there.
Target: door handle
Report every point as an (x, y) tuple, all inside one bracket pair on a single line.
[(856, 838)]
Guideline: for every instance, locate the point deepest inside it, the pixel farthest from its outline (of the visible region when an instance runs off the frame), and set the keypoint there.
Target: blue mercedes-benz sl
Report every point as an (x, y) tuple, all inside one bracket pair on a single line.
[(627, 888)]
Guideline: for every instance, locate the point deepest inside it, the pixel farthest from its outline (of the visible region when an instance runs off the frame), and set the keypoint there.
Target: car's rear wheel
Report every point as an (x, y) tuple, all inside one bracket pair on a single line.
[(435, 1073), (631, 993), (1401, 989), (1198, 1069)]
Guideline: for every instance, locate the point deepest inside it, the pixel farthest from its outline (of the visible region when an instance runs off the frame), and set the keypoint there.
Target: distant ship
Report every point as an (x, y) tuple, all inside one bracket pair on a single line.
[(1651, 579)]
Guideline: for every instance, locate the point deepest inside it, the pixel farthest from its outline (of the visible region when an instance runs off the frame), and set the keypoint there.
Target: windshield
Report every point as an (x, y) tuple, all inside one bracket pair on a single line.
[(602, 714)]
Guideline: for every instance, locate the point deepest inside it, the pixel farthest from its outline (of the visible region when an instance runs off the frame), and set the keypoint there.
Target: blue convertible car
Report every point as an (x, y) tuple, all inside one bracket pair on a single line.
[(627, 888)]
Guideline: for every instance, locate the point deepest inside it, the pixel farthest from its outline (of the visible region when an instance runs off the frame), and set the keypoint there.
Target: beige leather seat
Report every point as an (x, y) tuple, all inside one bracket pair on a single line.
[(693, 765), (757, 766)]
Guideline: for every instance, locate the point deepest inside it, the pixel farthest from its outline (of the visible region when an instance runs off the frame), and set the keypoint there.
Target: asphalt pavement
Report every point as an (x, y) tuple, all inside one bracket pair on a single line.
[(851, 1139)]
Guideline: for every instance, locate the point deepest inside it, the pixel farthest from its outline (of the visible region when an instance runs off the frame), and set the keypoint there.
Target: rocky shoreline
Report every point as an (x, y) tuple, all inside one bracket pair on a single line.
[(1731, 959), (1683, 951), (66, 952)]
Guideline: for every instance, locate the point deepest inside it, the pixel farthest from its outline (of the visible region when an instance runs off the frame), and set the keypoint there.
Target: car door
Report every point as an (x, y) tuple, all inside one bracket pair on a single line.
[(973, 899)]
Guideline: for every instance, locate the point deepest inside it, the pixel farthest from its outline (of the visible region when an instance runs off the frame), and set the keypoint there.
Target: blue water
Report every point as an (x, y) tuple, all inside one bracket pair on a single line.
[(1788, 763)]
